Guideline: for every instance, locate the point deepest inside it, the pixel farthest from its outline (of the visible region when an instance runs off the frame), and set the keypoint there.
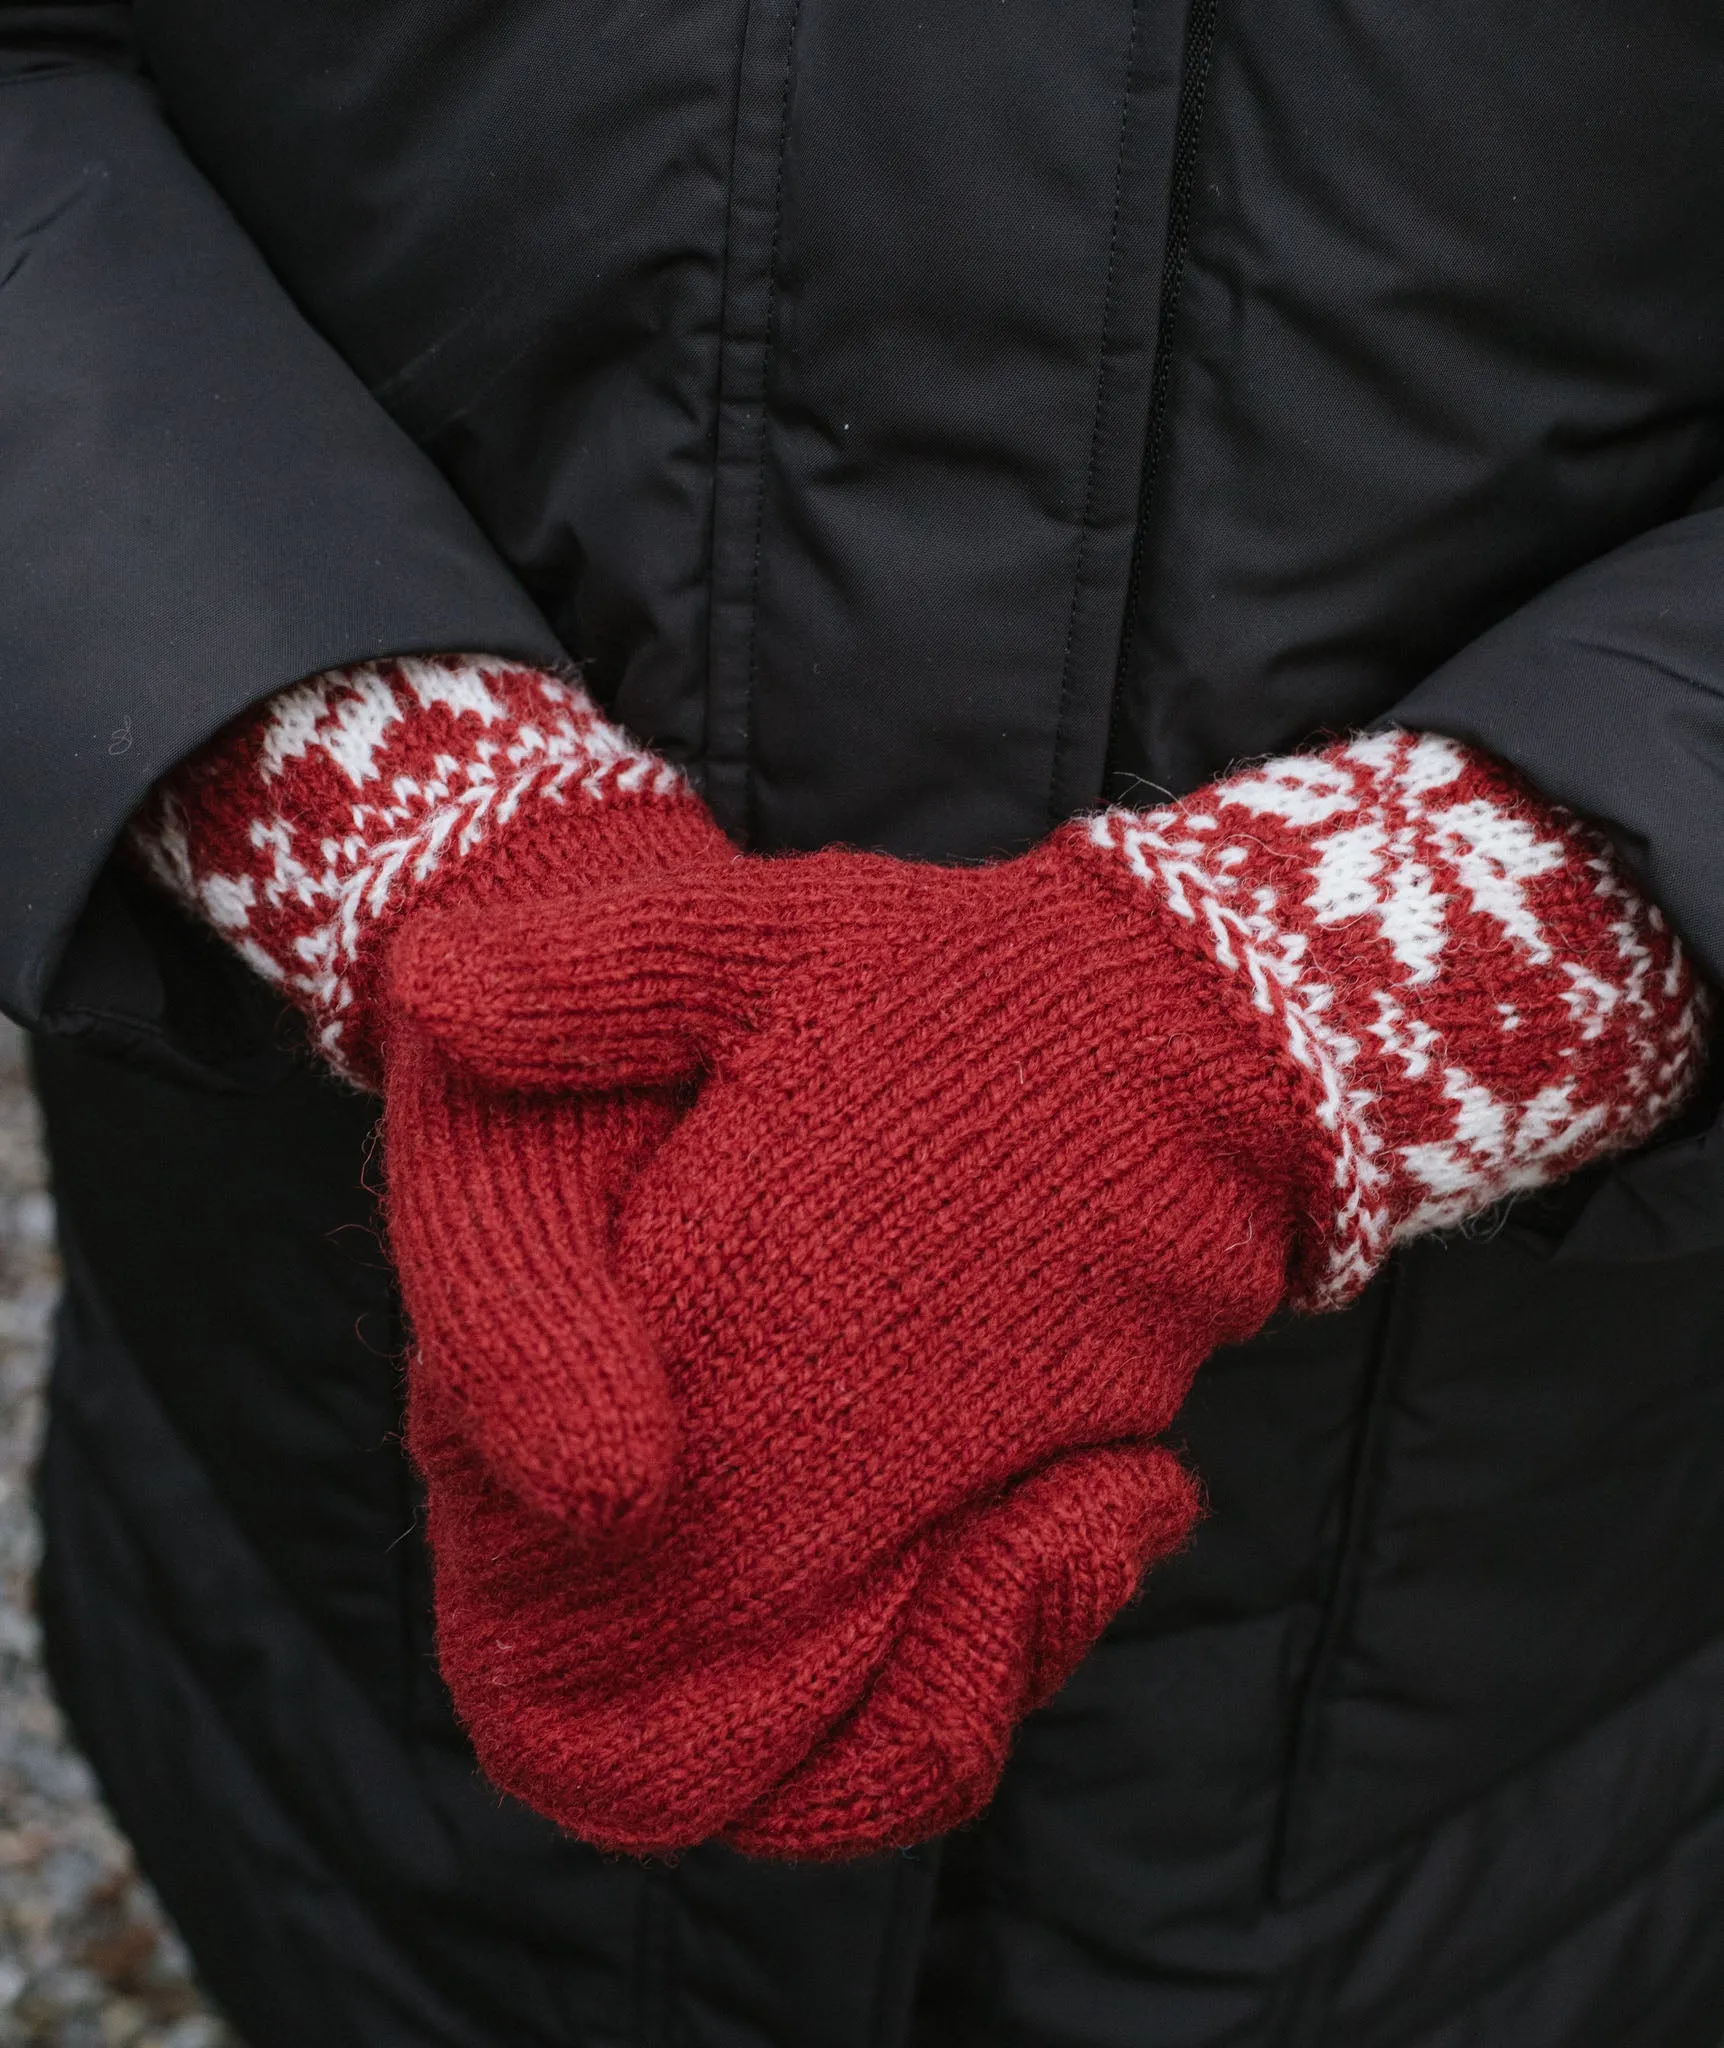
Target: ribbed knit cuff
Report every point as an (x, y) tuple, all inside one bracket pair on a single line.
[(307, 831)]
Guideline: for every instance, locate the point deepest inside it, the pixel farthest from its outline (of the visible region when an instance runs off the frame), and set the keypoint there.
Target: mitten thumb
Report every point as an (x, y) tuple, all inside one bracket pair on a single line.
[(643, 984), (500, 1217)]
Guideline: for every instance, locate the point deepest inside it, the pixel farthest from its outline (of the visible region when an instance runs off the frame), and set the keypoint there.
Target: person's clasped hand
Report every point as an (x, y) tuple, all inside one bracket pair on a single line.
[(316, 833), (983, 1164)]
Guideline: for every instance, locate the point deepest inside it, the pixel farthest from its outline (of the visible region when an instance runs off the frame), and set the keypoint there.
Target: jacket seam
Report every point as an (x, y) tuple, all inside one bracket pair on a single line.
[(1335, 1630), (1619, 1700), (746, 337), (1203, 25), (1086, 523), (914, 1877), (769, 342), (707, 641), (1593, 1900), (655, 1957), (85, 68)]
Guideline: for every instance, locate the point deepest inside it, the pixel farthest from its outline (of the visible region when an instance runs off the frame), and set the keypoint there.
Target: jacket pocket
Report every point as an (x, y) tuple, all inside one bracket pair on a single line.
[(1532, 1532)]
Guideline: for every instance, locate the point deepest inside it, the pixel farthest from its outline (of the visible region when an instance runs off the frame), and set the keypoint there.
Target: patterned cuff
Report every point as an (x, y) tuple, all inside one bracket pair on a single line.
[(303, 831), (1476, 1000)]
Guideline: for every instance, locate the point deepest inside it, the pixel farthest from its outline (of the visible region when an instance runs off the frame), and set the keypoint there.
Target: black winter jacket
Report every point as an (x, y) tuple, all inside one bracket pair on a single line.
[(924, 420)]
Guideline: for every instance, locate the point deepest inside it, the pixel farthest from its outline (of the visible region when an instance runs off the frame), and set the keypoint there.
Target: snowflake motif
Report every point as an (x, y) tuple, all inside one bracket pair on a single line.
[(1382, 863), (1330, 884)]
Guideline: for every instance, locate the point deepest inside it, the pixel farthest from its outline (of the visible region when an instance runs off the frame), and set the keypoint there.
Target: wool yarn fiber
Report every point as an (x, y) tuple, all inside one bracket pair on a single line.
[(313, 833), (983, 1164)]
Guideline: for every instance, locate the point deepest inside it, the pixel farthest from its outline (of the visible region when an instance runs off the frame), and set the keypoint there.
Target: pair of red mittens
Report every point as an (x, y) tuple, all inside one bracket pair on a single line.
[(781, 1460), (983, 1164)]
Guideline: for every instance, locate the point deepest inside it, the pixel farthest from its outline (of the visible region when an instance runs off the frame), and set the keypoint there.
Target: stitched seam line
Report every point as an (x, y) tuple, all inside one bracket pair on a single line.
[(1086, 526), (1361, 1493), (1202, 26), (720, 393), (769, 332), (1592, 1901), (84, 67)]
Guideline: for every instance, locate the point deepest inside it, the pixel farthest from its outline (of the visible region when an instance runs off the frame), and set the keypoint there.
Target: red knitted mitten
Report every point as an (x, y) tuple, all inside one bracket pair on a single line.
[(313, 832), (986, 1162)]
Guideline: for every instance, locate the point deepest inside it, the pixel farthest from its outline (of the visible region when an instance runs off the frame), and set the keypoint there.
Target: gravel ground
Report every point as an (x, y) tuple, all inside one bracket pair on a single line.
[(86, 1957)]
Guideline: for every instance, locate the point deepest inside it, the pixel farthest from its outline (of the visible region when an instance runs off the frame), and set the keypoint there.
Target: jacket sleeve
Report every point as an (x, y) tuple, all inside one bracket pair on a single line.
[(199, 502), (1608, 691)]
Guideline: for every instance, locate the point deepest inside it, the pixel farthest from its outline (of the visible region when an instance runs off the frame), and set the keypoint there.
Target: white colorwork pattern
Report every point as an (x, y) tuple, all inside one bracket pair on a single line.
[(1476, 998), (301, 830)]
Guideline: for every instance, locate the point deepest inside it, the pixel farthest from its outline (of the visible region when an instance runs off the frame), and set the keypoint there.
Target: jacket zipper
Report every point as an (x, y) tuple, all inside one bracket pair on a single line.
[(1182, 190)]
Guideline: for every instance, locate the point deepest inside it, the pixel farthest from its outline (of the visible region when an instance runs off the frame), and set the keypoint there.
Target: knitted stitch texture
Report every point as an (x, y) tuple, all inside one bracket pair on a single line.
[(307, 829), (984, 1164), (313, 832)]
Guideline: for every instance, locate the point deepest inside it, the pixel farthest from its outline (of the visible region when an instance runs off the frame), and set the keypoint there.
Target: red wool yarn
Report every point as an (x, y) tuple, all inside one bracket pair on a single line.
[(313, 833), (983, 1164)]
